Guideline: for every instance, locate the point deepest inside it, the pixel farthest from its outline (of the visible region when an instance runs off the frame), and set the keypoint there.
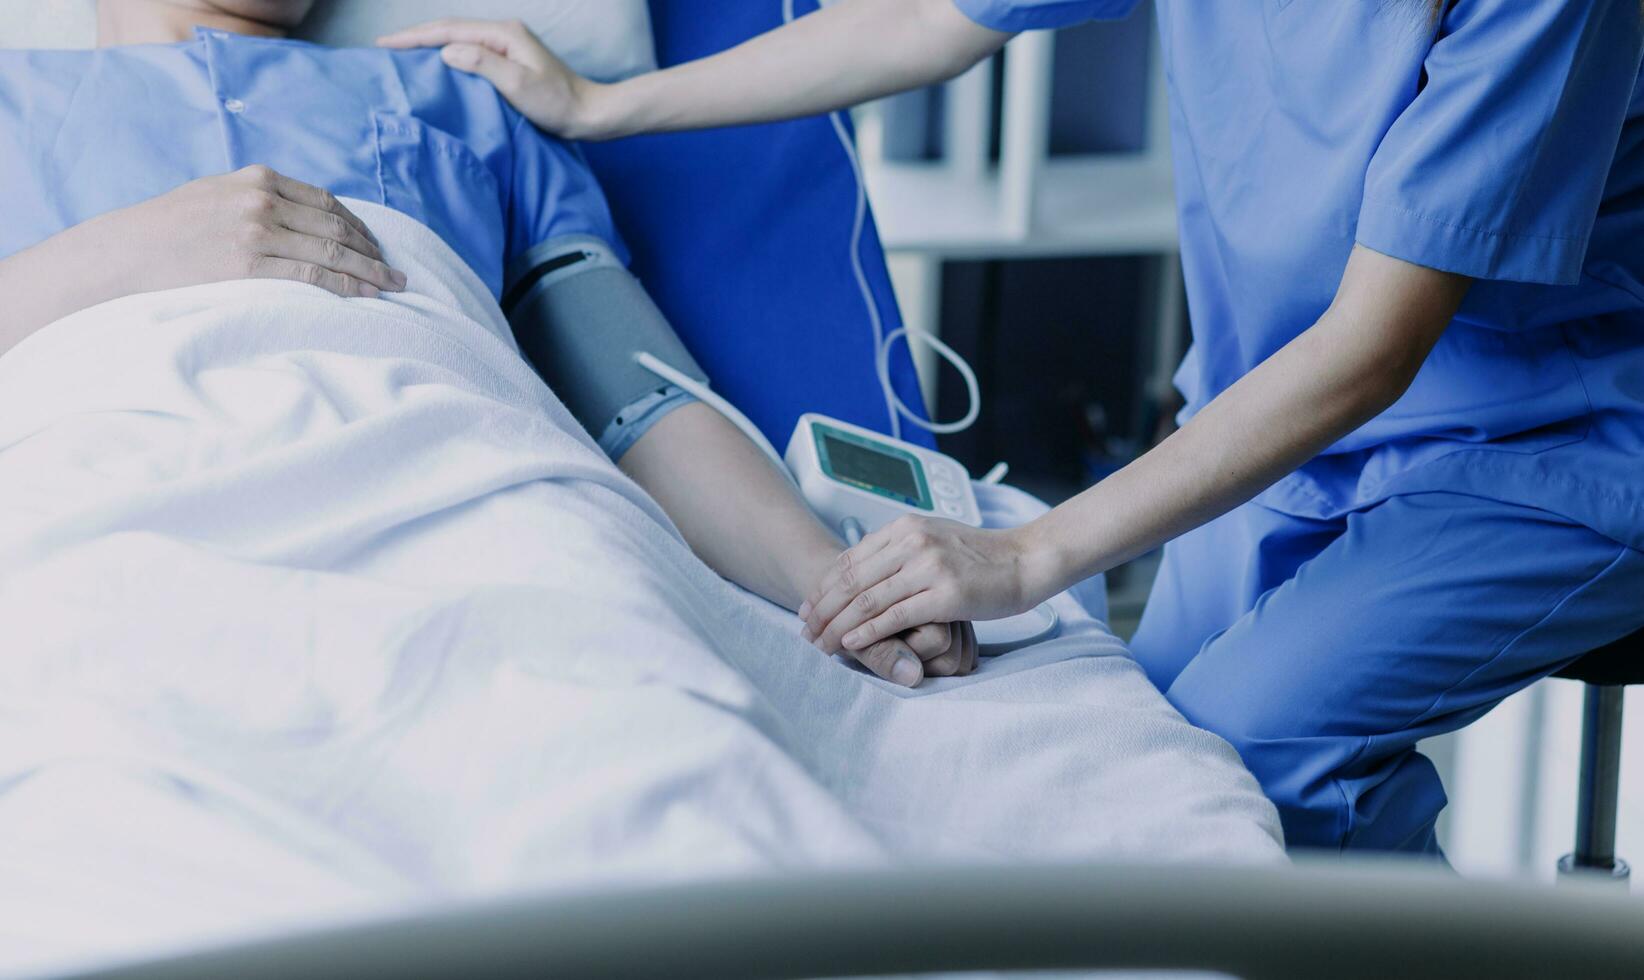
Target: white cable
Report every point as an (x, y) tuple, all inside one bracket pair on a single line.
[(894, 405), (972, 389), (996, 475), (898, 408), (893, 402), (651, 363)]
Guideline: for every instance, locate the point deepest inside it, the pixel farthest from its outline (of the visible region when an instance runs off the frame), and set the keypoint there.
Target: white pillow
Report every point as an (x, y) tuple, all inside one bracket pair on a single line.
[(603, 39)]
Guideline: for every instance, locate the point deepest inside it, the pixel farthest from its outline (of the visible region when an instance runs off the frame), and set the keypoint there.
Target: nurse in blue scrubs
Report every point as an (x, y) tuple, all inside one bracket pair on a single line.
[(1409, 478)]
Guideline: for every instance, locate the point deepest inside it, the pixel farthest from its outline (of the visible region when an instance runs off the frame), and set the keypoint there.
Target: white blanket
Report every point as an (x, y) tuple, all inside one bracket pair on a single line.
[(315, 608)]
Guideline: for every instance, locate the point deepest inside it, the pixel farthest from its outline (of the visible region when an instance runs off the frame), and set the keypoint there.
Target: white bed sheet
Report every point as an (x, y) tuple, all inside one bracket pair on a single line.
[(322, 608)]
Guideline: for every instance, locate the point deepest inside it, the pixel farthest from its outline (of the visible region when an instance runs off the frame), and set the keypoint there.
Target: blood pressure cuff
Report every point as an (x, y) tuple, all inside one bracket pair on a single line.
[(580, 317)]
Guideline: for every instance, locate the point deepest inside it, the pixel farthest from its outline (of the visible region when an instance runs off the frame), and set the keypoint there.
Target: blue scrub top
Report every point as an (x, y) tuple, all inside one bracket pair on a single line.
[(84, 132), (1504, 142)]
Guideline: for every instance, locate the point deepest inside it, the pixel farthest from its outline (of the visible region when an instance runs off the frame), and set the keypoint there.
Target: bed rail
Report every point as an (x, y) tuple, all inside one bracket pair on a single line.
[(1340, 920)]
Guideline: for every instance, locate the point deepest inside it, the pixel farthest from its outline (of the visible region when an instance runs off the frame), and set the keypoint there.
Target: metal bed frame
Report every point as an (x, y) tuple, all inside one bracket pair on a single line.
[(1340, 919)]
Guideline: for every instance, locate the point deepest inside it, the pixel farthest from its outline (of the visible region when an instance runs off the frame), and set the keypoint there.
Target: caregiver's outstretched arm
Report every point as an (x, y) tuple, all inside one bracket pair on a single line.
[(1347, 368), (840, 56), (250, 224), (744, 520)]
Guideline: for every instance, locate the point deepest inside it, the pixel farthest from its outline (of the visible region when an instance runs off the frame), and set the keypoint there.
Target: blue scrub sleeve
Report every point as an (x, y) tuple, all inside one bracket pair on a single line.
[(552, 193), (1014, 16), (1496, 168)]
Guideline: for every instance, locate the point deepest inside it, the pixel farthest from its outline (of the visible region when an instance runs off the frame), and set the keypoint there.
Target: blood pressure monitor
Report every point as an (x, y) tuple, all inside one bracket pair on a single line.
[(854, 476), (850, 473)]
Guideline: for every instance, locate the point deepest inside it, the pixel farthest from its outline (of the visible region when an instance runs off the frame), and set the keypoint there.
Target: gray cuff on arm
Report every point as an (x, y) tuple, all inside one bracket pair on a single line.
[(633, 422), (579, 317)]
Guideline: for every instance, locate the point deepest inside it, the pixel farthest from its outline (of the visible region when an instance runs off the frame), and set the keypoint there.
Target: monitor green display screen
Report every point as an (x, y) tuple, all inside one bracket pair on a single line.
[(861, 464), (870, 465)]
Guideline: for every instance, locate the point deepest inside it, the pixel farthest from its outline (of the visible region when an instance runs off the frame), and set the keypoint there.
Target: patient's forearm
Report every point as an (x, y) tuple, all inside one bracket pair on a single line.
[(736, 511), (840, 56), (59, 276)]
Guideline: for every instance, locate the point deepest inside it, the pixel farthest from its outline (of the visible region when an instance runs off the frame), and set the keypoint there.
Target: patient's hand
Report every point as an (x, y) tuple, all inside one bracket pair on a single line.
[(249, 224), (932, 650), (945, 649)]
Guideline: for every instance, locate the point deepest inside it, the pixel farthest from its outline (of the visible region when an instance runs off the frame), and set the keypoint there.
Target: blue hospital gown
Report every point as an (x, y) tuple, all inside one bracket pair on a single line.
[(85, 132)]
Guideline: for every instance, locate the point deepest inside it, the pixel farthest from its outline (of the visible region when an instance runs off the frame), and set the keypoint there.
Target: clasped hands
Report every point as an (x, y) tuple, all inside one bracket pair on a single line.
[(902, 600)]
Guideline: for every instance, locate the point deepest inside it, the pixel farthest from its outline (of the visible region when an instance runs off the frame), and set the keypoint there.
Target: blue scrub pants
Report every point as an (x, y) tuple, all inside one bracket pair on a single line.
[(1324, 649)]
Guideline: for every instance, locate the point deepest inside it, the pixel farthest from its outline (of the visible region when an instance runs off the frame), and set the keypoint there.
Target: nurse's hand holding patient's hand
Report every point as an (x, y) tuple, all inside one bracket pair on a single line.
[(915, 571), (1350, 366)]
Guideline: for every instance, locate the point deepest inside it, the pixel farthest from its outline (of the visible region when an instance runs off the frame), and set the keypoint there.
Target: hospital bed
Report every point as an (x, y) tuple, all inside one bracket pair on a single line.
[(725, 255)]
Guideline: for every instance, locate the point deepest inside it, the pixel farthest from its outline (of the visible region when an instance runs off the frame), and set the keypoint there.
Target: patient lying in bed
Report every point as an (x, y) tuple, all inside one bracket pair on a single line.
[(321, 606), (401, 130)]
